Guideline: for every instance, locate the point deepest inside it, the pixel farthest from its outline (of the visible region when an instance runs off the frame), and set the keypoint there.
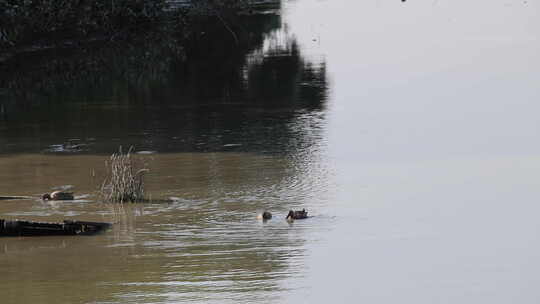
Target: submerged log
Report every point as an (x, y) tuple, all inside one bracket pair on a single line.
[(14, 197), (68, 227)]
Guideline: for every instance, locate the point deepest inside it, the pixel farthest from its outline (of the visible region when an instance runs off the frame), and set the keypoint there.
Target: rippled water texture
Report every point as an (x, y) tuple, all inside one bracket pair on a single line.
[(204, 245), (408, 130)]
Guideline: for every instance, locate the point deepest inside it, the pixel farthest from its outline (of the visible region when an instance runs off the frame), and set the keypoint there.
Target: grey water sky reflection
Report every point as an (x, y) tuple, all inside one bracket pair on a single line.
[(433, 131)]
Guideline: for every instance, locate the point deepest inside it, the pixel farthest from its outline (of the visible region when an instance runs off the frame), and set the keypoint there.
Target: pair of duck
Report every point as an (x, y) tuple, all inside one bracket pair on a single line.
[(292, 215)]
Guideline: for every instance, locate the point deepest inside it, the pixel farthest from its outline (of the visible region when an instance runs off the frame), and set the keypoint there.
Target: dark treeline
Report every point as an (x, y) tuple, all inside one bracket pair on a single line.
[(44, 22), (205, 61), (212, 36), (32, 22)]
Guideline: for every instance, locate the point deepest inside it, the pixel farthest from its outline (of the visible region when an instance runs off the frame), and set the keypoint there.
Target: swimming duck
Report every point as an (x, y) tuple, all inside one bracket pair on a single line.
[(58, 196), (297, 215), (265, 216)]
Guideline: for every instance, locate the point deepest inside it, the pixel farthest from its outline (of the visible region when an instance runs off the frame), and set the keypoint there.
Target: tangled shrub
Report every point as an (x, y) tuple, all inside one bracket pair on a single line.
[(125, 181)]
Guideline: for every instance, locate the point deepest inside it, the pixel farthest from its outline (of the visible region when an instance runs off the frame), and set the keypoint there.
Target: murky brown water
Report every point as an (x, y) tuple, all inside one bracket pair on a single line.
[(408, 130), (205, 245)]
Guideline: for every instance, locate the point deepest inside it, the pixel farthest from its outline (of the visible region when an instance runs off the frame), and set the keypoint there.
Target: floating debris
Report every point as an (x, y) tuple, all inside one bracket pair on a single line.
[(58, 196), (146, 152), (72, 146), (14, 197), (68, 227)]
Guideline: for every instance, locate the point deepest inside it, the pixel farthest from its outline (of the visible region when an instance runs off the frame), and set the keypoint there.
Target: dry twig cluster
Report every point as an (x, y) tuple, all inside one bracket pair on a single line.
[(125, 182)]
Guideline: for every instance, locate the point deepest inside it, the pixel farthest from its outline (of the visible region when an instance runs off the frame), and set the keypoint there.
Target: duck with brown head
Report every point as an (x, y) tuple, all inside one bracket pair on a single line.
[(265, 216), (297, 215)]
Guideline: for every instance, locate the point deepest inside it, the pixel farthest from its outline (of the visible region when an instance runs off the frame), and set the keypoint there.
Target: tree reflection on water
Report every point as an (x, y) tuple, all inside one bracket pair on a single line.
[(166, 90)]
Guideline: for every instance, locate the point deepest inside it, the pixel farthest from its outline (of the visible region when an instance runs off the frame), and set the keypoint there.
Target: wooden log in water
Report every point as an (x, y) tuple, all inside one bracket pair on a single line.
[(68, 227), (14, 197)]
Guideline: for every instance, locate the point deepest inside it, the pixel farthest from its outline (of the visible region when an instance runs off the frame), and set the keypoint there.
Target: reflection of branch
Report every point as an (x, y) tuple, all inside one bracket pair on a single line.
[(227, 27)]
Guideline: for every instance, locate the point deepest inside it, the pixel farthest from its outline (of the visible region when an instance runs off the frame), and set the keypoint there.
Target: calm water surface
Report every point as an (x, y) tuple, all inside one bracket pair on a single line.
[(408, 130)]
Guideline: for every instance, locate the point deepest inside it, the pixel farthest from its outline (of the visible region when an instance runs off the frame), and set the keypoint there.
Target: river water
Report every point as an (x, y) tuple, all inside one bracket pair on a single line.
[(408, 130)]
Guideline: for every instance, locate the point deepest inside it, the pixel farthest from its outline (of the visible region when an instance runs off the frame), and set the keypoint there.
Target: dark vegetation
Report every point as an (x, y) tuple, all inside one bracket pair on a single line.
[(31, 22), (160, 80), (125, 179), (26, 23)]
